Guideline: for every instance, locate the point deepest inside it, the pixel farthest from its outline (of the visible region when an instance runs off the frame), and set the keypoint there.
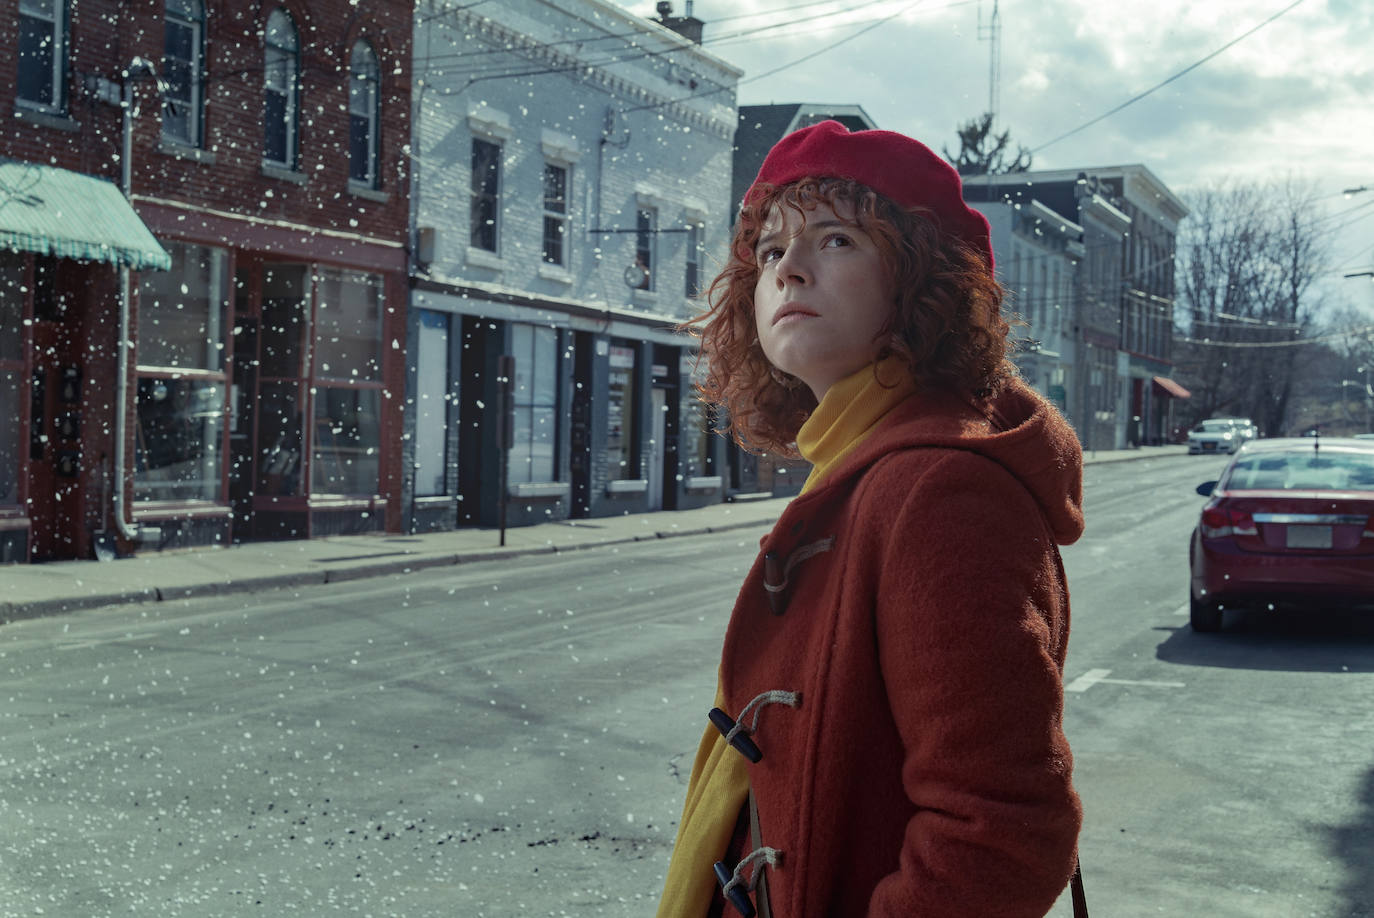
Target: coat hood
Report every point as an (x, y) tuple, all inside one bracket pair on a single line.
[(1018, 429)]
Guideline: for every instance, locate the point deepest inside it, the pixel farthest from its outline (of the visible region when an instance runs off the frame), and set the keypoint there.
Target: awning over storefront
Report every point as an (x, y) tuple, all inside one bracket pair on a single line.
[(71, 215), (1171, 388)]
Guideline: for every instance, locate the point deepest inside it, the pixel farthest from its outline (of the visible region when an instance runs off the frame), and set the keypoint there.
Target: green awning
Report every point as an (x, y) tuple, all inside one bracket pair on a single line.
[(71, 215)]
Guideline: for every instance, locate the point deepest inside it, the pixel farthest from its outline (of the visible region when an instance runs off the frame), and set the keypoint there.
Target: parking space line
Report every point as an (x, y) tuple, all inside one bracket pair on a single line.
[(1094, 676)]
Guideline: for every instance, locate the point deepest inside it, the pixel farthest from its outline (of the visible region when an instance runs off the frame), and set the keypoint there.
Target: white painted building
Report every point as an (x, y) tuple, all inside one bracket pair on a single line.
[(571, 191), (1038, 252)]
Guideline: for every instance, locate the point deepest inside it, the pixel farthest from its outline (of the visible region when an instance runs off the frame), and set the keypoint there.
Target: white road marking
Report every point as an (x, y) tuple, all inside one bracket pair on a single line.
[(1094, 676), (1182, 610)]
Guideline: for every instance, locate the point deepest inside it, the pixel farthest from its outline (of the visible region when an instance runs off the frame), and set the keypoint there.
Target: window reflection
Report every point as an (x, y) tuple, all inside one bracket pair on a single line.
[(347, 442), (179, 448)]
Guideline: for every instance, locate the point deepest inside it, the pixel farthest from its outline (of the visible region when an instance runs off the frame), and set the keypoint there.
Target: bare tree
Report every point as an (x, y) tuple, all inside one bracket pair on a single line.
[(1249, 256)]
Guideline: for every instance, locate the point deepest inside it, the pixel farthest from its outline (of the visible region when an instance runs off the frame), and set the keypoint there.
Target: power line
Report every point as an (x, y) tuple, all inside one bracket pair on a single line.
[(1186, 70), (830, 47), (1297, 342)]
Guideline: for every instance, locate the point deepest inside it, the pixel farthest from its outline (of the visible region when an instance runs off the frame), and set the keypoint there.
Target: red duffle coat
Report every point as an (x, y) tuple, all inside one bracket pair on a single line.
[(924, 772)]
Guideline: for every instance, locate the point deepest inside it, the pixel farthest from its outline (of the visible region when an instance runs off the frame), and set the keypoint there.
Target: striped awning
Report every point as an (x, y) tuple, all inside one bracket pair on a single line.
[(1170, 388), (68, 214)]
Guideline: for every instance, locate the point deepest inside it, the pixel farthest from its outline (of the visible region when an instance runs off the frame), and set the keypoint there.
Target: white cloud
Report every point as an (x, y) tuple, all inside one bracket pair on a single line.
[(1292, 99)]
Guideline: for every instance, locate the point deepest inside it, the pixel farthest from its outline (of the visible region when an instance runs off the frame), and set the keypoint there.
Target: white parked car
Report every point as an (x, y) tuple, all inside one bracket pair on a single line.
[(1215, 435)]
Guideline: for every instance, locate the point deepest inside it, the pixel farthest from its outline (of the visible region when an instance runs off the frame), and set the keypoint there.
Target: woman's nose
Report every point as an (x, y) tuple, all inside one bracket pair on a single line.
[(792, 267)]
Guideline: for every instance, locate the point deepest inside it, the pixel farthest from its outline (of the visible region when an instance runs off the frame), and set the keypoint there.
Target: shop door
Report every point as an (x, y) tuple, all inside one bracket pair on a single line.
[(580, 436), (243, 426), (54, 450), (654, 461)]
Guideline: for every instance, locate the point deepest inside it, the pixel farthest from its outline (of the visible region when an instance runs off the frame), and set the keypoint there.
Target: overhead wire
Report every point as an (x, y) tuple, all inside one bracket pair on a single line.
[(1185, 71)]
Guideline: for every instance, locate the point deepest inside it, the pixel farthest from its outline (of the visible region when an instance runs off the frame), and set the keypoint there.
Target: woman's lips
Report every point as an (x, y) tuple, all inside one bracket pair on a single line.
[(792, 309)]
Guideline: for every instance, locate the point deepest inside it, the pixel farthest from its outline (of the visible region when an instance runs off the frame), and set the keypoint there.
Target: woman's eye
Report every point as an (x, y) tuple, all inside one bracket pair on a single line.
[(768, 255), (838, 240)]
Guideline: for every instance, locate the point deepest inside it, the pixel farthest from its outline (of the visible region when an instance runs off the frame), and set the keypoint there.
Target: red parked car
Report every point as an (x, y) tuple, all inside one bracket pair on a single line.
[(1290, 520)]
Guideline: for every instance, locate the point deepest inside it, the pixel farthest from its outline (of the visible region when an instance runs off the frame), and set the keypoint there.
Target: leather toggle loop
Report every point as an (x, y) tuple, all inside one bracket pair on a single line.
[(735, 896), (737, 732), (777, 574), (733, 883), (741, 741)]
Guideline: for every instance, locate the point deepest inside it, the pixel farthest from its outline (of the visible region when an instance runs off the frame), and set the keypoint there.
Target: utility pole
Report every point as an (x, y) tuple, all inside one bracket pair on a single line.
[(992, 33)]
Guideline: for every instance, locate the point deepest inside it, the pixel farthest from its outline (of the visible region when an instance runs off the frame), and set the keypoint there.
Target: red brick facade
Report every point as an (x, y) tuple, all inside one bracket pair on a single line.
[(218, 193)]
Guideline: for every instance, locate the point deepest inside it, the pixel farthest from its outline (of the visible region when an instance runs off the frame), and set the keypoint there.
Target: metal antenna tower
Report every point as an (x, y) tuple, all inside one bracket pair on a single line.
[(992, 33)]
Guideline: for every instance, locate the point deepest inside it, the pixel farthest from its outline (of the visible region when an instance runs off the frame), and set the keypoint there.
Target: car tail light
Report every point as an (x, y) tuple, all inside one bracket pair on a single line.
[(1218, 523)]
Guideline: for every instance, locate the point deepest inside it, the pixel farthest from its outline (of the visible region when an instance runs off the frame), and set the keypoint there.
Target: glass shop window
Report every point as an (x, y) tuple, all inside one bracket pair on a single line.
[(347, 447), (534, 456), (182, 311), (620, 414), (179, 450)]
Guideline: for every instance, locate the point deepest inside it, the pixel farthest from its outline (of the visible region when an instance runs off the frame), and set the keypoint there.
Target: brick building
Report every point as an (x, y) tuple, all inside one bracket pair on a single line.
[(1123, 295), (264, 150)]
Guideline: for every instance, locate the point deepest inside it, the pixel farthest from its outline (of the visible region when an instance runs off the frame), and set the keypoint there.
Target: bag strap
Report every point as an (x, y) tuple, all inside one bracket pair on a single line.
[(762, 905), (1080, 901)]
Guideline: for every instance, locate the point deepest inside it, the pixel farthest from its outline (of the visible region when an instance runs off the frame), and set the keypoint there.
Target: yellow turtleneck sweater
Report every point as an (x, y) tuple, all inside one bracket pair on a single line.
[(719, 786)]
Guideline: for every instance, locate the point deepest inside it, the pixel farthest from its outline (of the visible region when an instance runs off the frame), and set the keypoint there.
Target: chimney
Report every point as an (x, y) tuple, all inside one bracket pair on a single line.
[(689, 27)]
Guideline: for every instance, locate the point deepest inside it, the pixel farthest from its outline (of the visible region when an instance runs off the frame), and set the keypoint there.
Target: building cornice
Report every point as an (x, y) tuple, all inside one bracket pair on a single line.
[(631, 91)]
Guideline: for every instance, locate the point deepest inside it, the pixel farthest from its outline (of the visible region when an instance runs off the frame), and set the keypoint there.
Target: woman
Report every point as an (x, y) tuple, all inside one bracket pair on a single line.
[(887, 739)]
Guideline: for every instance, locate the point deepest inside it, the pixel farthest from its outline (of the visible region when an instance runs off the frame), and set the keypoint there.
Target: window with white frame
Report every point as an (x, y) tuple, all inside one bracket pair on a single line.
[(692, 284), (364, 114), (282, 90), (183, 70), (42, 74), (646, 235), (555, 214), (486, 194), (533, 456)]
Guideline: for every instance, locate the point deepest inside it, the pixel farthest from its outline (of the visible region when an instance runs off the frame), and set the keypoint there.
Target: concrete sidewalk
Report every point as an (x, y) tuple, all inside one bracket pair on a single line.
[(34, 590)]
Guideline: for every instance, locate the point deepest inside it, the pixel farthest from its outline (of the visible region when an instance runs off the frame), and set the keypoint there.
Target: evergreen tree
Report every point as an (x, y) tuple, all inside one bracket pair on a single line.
[(982, 152)]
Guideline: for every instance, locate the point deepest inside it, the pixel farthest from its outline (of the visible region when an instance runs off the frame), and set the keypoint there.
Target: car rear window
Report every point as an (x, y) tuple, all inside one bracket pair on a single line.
[(1315, 471)]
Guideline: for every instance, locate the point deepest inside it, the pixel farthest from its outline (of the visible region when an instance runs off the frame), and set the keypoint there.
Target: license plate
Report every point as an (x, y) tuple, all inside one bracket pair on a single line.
[(1207, 446), (1309, 536)]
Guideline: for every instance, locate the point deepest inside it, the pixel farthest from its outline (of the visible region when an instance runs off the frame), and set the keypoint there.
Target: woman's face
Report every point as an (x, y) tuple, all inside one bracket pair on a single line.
[(823, 295)]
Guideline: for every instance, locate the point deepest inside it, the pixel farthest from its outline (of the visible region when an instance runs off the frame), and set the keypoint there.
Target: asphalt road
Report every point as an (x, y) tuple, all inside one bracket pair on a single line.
[(513, 738)]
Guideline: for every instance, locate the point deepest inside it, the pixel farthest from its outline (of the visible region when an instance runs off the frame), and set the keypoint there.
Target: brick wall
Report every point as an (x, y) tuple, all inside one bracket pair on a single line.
[(226, 173)]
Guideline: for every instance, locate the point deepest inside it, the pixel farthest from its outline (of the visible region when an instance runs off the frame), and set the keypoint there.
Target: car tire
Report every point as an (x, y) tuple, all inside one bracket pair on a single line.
[(1204, 615)]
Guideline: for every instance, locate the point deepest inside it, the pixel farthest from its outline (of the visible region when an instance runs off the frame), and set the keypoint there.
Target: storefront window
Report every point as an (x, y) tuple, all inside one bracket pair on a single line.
[(285, 317), (181, 312), (348, 332), (11, 371), (536, 403), (178, 454), (12, 309), (347, 442), (432, 399), (9, 437), (695, 435), (620, 432), (182, 388)]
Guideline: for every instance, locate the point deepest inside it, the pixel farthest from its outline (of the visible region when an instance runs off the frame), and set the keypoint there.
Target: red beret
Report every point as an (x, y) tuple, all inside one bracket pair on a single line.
[(892, 164)]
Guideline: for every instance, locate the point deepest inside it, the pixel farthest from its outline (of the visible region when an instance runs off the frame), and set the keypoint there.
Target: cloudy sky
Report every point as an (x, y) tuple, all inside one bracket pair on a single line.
[(1293, 99)]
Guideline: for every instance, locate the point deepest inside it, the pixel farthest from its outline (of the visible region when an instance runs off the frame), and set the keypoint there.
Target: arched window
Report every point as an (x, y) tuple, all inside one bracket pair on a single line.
[(183, 70), (282, 82), (364, 116)]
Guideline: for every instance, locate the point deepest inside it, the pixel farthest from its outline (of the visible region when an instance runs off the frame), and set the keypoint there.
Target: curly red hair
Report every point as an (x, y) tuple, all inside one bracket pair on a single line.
[(946, 325)]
